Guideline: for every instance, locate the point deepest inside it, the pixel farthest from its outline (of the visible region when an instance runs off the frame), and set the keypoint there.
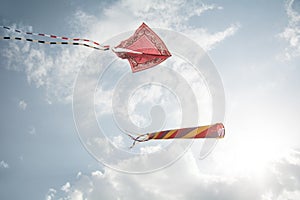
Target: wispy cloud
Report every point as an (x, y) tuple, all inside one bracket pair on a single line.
[(209, 40), (32, 130), (22, 105), (66, 187), (291, 33), (51, 194), (4, 164)]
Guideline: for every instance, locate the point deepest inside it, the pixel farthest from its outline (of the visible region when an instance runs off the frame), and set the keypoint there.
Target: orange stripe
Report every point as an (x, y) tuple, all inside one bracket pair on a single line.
[(155, 135), (191, 134), (169, 134)]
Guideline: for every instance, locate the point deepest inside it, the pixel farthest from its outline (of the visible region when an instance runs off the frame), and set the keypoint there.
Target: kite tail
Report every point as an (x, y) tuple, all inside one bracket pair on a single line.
[(74, 41), (52, 42)]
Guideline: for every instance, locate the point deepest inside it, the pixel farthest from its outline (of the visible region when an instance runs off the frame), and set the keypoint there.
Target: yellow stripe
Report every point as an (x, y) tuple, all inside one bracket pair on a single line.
[(169, 134), (191, 134), (202, 128), (58, 42), (156, 134), (47, 42), (196, 131)]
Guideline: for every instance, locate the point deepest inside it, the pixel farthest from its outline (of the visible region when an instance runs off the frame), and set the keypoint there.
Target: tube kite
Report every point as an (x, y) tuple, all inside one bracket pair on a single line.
[(210, 131), (144, 49)]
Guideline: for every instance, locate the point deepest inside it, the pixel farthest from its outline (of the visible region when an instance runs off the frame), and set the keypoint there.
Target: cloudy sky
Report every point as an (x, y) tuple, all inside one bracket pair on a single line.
[(54, 102)]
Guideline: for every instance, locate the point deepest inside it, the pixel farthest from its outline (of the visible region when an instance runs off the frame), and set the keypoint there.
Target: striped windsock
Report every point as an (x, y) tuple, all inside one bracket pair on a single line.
[(209, 131)]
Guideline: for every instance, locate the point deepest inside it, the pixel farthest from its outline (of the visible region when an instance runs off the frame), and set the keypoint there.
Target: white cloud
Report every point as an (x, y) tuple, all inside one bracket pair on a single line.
[(79, 174), (32, 130), (162, 13), (66, 187), (184, 180), (97, 174), (291, 195), (291, 33), (173, 15), (150, 149), (50, 194), (4, 164), (76, 195), (22, 105), (118, 141), (209, 40)]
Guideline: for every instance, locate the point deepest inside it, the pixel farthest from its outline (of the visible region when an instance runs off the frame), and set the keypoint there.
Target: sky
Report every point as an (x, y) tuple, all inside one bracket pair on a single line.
[(65, 109)]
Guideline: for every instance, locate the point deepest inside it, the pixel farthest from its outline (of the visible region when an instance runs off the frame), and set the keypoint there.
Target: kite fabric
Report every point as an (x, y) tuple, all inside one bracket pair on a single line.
[(143, 50), (210, 131)]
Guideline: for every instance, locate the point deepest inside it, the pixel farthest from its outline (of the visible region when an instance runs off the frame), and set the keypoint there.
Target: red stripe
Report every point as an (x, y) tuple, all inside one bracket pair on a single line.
[(64, 38), (53, 36), (162, 133), (96, 43), (41, 34), (159, 135), (173, 135), (211, 132), (202, 134), (86, 40), (76, 39)]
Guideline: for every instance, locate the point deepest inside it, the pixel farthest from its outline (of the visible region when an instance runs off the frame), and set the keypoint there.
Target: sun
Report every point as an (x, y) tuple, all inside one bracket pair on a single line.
[(244, 156)]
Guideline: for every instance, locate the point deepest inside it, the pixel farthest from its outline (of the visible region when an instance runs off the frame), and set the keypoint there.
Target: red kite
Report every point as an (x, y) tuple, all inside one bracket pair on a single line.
[(144, 49)]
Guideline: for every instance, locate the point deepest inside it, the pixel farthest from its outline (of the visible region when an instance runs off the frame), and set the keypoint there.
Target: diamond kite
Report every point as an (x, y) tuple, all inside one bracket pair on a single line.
[(144, 49)]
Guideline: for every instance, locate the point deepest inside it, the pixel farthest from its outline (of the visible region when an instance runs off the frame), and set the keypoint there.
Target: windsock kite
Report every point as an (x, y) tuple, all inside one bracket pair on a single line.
[(210, 131)]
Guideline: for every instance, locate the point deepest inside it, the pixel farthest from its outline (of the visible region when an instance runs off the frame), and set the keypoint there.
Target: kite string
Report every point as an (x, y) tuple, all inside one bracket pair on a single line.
[(98, 46)]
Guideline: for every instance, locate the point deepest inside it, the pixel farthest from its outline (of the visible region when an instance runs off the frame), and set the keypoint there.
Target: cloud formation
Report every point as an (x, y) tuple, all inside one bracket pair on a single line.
[(4, 164), (280, 181), (32, 130), (50, 194), (291, 33), (22, 105)]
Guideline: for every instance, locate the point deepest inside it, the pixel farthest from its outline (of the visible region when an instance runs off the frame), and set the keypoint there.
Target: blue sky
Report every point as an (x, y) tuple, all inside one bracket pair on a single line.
[(253, 45)]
